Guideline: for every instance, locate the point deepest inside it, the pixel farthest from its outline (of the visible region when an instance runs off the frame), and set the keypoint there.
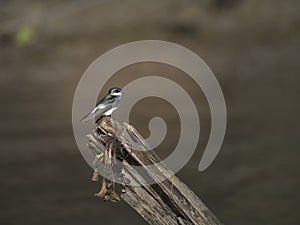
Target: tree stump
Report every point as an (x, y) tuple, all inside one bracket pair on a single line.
[(163, 202)]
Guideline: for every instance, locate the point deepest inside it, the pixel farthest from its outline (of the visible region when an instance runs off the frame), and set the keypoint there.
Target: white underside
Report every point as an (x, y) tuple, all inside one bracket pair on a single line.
[(109, 112)]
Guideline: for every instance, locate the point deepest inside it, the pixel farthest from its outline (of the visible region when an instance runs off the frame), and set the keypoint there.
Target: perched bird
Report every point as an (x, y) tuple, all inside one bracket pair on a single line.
[(106, 106)]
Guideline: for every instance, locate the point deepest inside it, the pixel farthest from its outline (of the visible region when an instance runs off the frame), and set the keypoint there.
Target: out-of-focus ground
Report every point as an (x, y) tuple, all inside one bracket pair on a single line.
[(253, 49)]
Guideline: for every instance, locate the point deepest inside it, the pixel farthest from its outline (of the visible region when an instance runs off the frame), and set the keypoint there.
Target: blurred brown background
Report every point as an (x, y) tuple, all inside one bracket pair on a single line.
[(251, 45)]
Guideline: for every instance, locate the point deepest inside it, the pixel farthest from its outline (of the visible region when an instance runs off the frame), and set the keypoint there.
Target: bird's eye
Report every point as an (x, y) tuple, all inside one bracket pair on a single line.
[(115, 91)]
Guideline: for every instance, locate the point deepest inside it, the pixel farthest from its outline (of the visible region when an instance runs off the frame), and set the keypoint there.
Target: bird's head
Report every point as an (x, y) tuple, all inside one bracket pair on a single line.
[(115, 91)]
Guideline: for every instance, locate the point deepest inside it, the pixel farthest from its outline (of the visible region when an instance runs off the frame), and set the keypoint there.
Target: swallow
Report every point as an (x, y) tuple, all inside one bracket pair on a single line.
[(106, 105)]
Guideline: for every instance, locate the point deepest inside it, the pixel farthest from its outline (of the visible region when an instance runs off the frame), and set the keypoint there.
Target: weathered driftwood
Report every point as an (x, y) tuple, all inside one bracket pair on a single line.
[(167, 202)]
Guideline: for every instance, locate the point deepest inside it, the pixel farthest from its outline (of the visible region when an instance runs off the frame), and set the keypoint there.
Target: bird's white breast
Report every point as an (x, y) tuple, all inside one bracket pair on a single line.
[(109, 112)]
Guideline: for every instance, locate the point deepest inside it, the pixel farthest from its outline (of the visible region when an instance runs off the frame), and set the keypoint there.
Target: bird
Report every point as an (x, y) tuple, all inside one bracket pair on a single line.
[(109, 103)]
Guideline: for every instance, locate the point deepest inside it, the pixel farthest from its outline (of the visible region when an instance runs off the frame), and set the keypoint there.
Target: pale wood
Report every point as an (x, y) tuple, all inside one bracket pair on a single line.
[(163, 203)]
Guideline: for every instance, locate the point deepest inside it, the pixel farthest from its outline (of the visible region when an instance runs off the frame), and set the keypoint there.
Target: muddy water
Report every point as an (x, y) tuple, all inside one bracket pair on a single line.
[(254, 179)]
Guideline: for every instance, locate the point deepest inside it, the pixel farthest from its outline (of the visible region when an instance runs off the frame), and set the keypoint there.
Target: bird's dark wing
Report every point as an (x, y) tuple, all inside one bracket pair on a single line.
[(103, 106), (97, 111), (107, 99)]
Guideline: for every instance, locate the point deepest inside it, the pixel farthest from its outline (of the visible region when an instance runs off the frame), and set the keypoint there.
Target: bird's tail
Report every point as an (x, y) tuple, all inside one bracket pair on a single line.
[(89, 116)]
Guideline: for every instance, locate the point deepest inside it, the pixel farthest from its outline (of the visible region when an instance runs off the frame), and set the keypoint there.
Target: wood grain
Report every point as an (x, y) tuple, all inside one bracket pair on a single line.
[(167, 200)]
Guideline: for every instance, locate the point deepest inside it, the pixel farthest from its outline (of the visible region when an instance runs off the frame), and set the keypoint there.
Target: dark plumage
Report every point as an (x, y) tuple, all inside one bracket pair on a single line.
[(106, 105)]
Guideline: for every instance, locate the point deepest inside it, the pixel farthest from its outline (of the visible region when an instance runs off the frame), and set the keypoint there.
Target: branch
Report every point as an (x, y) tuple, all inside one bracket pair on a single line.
[(164, 203)]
